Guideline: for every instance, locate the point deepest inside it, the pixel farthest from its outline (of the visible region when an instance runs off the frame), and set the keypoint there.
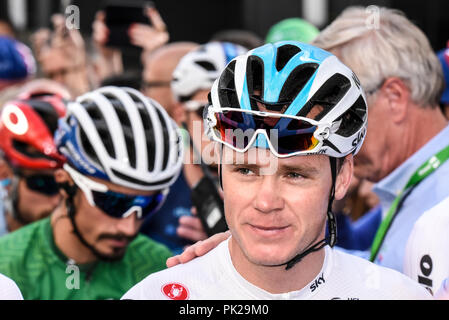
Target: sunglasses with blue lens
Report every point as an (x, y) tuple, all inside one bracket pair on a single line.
[(115, 204)]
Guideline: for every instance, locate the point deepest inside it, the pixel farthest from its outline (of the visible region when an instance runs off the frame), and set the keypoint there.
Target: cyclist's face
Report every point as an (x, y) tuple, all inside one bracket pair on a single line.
[(34, 205), (274, 217), (109, 236)]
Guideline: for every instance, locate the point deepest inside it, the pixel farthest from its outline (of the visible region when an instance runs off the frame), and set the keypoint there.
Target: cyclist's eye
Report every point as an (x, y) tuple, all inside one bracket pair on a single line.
[(244, 171), (294, 175)]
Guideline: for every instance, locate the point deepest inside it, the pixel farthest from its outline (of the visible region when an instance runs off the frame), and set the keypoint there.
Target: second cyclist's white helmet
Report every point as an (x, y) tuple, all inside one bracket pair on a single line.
[(198, 69), (119, 135)]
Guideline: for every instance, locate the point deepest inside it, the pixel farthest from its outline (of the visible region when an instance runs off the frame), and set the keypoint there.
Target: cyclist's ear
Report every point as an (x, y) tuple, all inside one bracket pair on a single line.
[(66, 185), (344, 177)]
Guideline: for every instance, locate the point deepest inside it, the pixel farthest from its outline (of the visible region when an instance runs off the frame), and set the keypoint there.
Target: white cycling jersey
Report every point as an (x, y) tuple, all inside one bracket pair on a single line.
[(213, 277), (9, 289), (426, 257)]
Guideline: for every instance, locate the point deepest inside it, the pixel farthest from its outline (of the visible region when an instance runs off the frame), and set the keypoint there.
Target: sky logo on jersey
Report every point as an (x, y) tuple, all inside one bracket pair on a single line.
[(317, 282), (175, 291)]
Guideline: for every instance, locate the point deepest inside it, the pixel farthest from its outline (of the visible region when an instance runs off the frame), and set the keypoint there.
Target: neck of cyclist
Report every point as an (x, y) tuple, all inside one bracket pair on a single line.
[(275, 279), (66, 240), (12, 223)]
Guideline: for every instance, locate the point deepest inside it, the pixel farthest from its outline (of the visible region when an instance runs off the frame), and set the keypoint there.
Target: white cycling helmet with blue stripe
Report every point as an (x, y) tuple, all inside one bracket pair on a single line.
[(119, 135), (313, 99), (198, 69)]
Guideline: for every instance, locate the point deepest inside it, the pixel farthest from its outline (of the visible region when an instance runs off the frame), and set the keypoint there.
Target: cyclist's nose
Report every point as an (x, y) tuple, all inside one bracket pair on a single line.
[(268, 198), (129, 225)]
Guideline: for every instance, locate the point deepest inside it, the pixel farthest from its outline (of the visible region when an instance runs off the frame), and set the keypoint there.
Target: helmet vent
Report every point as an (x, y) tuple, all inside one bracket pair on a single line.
[(284, 54), (296, 81), (28, 150), (226, 87), (47, 112), (206, 65), (330, 93), (98, 118), (353, 119), (254, 74)]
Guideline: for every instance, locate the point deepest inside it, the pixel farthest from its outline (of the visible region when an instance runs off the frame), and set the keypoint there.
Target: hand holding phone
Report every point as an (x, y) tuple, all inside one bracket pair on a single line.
[(134, 24), (209, 206), (149, 37)]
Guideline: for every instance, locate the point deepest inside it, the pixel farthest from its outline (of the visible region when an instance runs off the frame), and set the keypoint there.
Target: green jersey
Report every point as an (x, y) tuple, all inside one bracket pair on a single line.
[(30, 257)]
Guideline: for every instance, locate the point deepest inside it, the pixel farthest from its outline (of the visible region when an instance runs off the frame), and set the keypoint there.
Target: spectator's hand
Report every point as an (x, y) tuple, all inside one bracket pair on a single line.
[(198, 249), (40, 40), (70, 41), (149, 37), (62, 55), (190, 227)]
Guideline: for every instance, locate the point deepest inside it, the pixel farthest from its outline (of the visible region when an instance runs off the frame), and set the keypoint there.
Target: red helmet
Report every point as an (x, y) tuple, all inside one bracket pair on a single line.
[(27, 126)]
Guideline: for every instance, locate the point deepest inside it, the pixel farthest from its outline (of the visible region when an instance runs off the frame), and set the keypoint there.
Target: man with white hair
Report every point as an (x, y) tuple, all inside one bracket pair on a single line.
[(407, 130)]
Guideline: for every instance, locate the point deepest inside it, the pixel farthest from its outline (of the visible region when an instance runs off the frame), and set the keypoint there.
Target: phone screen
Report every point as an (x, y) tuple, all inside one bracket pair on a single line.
[(119, 17), (209, 206)]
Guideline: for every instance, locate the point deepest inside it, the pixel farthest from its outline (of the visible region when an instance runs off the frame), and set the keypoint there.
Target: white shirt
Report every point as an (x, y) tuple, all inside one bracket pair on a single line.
[(426, 257), (213, 276), (9, 289)]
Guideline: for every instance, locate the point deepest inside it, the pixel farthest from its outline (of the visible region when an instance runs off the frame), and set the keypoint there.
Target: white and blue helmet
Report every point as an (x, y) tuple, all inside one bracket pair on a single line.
[(198, 69), (119, 135), (297, 79)]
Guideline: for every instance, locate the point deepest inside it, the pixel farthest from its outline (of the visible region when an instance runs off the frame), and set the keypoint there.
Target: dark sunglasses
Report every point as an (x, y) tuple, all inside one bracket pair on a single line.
[(287, 135), (119, 205), (115, 204), (42, 183)]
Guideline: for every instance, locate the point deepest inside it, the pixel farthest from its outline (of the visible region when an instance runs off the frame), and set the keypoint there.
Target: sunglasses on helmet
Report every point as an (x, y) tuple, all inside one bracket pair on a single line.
[(115, 204), (286, 135)]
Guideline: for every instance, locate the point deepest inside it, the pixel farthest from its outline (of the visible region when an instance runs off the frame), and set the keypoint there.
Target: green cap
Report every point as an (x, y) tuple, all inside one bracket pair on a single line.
[(292, 29)]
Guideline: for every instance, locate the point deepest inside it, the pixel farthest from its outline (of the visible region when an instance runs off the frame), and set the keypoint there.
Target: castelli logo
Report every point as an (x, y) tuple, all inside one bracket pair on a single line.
[(175, 291)]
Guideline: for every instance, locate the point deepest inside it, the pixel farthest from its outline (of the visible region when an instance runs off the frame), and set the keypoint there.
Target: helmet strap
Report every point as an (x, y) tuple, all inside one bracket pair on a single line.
[(71, 212)]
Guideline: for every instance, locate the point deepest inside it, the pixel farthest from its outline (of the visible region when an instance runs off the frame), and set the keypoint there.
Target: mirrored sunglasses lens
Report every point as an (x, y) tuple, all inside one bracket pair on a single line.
[(294, 135), (287, 135), (235, 128)]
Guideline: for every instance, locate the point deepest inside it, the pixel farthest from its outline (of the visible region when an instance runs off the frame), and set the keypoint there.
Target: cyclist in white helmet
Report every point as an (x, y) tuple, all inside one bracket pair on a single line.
[(122, 153), (299, 110), (192, 80)]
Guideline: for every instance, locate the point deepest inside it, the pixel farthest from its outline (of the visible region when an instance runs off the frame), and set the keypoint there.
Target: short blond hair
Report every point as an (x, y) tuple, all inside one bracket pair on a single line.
[(382, 46)]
